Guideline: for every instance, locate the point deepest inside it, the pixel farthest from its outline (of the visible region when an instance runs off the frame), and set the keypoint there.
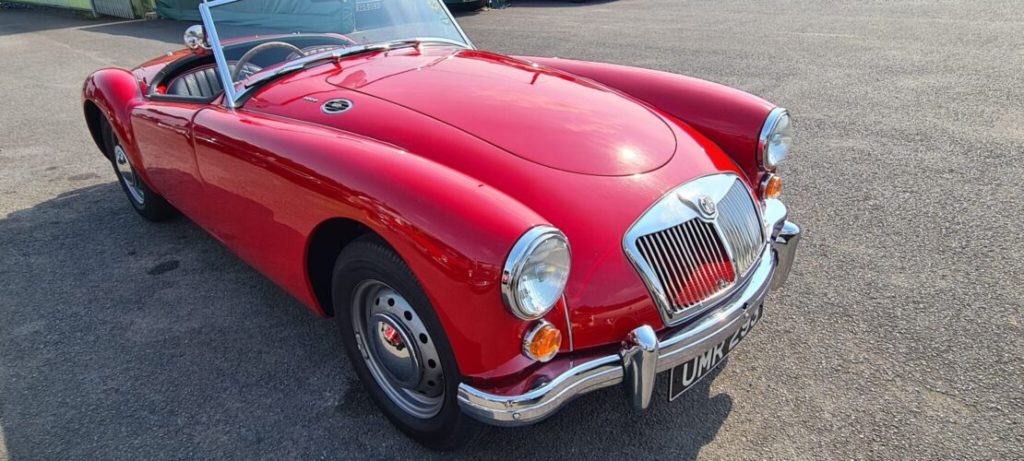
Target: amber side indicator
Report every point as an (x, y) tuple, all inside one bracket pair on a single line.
[(541, 342), (771, 187)]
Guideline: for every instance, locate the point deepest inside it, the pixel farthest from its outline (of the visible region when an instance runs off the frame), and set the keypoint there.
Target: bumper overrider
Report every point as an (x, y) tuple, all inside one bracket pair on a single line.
[(643, 355)]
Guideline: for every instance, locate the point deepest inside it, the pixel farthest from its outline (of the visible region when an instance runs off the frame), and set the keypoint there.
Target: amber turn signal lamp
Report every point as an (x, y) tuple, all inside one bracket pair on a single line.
[(771, 187), (541, 342)]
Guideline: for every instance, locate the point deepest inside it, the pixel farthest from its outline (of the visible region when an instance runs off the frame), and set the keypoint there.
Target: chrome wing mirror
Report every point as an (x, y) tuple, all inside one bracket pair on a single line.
[(195, 38)]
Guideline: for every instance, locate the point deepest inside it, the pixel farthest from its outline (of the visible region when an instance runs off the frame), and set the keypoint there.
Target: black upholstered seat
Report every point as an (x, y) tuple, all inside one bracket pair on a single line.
[(202, 82)]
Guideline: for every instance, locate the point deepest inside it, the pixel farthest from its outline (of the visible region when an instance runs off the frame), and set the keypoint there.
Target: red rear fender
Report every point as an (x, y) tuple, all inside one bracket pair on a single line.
[(115, 92)]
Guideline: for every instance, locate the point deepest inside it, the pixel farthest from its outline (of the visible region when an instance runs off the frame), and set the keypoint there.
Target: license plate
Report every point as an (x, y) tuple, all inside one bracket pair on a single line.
[(684, 376), (369, 5)]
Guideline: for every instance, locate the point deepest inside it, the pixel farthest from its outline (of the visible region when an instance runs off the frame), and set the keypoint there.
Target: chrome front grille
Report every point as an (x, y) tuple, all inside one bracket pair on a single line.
[(695, 244), (741, 227), (690, 262)]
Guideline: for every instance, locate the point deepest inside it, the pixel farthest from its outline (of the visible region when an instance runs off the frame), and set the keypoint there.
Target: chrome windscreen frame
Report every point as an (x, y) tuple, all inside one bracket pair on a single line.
[(678, 206), (232, 94), (223, 71)]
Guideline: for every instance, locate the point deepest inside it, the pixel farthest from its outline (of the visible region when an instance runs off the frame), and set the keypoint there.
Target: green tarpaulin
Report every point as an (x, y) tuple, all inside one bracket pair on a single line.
[(293, 15)]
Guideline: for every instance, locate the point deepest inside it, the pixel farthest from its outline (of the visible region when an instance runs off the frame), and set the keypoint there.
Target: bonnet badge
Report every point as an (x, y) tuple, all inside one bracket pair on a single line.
[(707, 206)]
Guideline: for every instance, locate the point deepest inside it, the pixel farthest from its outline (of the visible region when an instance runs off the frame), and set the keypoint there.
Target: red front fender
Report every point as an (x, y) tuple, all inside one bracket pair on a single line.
[(730, 118), (453, 231)]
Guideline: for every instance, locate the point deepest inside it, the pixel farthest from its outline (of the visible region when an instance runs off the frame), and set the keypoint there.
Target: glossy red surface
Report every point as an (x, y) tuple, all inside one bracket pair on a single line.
[(731, 118), (546, 117), (448, 155)]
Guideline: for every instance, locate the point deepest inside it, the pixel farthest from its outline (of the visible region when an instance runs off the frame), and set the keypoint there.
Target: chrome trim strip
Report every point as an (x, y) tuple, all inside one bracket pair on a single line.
[(568, 323)]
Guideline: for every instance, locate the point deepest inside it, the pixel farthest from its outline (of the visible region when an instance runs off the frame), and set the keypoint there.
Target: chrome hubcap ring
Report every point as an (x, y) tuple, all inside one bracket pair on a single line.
[(397, 349), (131, 181)]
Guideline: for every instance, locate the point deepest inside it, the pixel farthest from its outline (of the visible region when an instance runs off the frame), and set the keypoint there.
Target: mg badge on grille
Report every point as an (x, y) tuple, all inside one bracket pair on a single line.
[(707, 206)]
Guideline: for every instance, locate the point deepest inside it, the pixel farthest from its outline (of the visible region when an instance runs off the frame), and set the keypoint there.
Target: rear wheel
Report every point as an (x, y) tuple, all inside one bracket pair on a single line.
[(147, 203), (397, 345)]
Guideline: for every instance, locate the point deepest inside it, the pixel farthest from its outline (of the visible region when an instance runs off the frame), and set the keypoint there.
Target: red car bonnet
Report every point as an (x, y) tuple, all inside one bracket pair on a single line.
[(544, 116)]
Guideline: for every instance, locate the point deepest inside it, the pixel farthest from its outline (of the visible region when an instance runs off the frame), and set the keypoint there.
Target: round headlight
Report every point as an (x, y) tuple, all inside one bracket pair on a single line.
[(536, 272), (776, 138)]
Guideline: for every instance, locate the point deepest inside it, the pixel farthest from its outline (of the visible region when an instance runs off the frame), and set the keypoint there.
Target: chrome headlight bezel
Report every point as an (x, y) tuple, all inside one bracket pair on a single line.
[(773, 127), (517, 262)]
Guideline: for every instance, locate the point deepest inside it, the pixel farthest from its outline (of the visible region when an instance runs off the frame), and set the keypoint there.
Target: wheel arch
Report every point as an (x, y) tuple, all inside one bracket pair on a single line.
[(110, 95), (94, 120), (326, 242)]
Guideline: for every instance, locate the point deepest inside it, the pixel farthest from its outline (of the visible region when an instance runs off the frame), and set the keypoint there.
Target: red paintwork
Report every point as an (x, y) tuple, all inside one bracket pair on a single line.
[(731, 118), (450, 156), (560, 121)]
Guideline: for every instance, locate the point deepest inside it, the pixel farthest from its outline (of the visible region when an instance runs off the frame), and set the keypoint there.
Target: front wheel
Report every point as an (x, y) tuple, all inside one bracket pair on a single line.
[(397, 345), (147, 203)]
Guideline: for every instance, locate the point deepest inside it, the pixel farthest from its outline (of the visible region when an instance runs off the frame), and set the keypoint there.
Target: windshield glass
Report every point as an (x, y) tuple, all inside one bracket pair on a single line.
[(256, 40), (361, 21)]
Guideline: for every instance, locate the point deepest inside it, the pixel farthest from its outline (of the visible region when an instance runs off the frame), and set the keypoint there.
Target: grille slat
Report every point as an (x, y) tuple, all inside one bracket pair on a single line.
[(694, 252), (700, 259), (745, 233), (675, 275), (684, 259), (680, 267), (701, 253), (652, 256)]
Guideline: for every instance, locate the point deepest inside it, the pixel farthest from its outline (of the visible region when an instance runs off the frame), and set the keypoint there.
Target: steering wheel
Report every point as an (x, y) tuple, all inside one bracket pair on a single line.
[(244, 60)]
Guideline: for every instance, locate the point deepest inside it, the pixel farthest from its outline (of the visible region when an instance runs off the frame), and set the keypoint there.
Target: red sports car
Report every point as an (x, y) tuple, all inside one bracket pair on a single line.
[(494, 235)]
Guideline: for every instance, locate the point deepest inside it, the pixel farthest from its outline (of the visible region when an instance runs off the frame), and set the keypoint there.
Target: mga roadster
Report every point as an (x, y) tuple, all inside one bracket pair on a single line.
[(494, 235)]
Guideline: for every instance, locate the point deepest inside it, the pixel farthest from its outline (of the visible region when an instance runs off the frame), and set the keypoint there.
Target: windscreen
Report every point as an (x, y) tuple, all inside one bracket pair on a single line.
[(360, 21)]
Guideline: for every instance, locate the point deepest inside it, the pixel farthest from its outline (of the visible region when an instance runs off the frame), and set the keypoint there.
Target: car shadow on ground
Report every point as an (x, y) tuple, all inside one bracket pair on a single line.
[(182, 350), (555, 3), (461, 11)]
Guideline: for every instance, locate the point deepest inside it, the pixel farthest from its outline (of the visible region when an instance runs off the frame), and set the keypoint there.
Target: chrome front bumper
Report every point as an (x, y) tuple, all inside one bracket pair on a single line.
[(643, 355)]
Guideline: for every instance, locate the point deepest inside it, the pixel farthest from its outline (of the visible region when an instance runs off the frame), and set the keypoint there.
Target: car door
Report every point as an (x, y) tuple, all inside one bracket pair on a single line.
[(163, 129), (259, 201)]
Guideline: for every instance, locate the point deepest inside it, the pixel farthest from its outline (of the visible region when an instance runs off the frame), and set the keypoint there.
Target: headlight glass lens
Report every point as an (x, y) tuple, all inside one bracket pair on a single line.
[(536, 272), (778, 142)]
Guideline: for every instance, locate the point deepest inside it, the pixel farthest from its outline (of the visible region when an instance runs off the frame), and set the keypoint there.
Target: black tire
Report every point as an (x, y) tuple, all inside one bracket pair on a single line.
[(147, 203), (369, 258)]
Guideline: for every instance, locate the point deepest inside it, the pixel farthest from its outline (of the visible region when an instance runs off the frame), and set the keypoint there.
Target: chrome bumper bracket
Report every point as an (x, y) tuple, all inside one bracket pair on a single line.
[(640, 366)]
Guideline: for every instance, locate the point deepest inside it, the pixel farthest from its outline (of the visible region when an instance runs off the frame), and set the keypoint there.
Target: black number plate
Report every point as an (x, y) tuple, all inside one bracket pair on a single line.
[(684, 376)]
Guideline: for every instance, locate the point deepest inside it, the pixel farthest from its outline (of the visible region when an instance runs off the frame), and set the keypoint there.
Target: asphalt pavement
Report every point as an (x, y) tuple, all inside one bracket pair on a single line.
[(898, 335)]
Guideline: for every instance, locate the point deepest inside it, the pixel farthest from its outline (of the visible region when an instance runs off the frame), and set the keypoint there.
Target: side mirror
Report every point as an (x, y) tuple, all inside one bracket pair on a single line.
[(195, 38)]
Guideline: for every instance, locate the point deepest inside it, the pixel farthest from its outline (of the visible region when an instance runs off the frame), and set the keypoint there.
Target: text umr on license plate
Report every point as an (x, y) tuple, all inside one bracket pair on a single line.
[(684, 376)]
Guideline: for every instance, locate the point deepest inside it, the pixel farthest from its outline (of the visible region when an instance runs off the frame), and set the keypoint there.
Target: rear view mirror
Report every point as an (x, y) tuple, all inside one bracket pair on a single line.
[(195, 38)]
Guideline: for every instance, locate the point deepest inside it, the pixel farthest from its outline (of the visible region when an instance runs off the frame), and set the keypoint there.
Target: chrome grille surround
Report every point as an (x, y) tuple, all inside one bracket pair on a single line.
[(676, 244)]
